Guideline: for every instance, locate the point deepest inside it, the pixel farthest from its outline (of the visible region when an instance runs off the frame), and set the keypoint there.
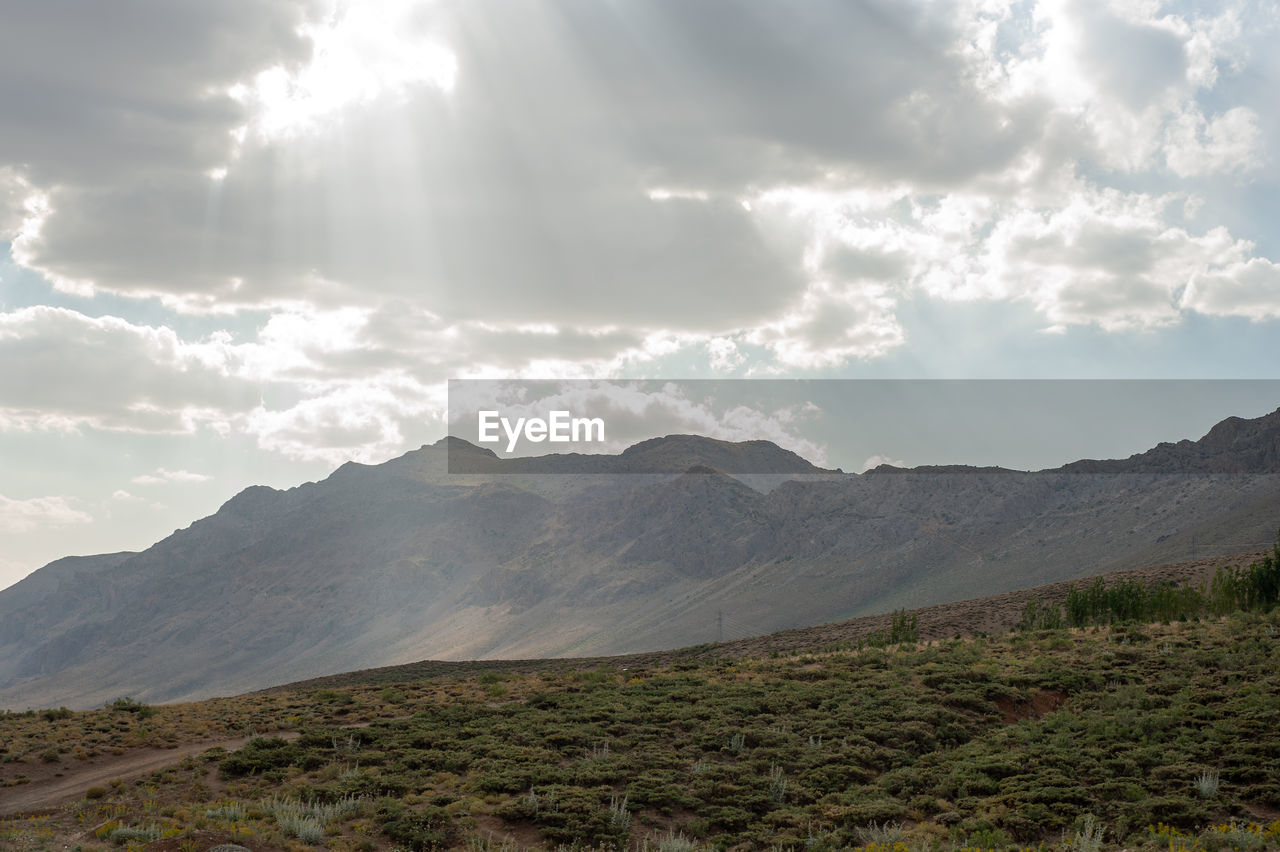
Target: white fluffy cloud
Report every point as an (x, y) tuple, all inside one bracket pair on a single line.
[(360, 422), (1133, 77), (71, 370), (877, 460), (309, 384), (1115, 259), (1248, 288), (1230, 142), (161, 476), (831, 325), (20, 516), (360, 53), (1106, 257)]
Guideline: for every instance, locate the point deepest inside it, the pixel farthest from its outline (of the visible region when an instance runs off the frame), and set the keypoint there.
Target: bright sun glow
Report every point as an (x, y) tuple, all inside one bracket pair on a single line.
[(361, 52)]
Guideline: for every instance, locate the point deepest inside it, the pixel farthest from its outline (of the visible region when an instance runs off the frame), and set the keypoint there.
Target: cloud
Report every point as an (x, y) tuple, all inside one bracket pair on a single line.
[(521, 189), (833, 324), (1104, 258), (162, 476), (877, 460), (309, 384), (359, 54), (1230, 142), (353, 381), (1094, 256), (432, 349), (108, 373), (724, 354), (146, 80), (20, 516), (1243, 289), (360, 422), (1137, 61), (398, 193), (14, 192), (563, 249), (1128, 86)]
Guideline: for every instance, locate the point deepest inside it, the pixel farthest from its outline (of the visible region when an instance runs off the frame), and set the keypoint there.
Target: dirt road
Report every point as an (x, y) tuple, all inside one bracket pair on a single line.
[(53, 791)]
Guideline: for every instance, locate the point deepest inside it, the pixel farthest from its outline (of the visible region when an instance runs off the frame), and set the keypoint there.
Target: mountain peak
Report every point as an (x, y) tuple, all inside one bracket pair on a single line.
[(1234, 445), (940, 468), (676, 453), (668, 454), (453, 443), (250, 500)]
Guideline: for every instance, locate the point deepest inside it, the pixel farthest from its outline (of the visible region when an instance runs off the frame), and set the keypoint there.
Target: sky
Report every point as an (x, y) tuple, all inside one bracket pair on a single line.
[(244, 242)]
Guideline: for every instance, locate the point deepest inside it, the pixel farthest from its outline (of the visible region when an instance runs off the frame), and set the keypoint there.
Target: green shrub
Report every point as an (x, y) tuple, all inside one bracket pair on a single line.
[(132, 705), (266, 753)]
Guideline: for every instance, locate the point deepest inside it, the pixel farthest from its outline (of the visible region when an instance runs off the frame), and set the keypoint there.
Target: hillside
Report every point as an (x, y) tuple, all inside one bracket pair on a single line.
[(1234, 445), (403, 561), (1142, 735)]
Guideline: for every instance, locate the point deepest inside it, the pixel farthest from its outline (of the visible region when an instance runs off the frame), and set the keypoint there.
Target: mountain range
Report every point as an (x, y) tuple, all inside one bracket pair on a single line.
[(656, 547)]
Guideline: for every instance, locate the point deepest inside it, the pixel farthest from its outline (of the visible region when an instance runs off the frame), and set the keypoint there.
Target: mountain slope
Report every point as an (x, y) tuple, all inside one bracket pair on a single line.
[(390, 563), (1234, 445)]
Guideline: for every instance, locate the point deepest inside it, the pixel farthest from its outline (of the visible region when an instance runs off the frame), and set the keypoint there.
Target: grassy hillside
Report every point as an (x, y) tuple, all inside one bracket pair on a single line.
[(1162, 736)]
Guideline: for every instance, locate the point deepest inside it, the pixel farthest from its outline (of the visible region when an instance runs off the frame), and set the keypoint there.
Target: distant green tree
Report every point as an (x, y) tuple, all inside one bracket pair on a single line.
[(1233, 589)]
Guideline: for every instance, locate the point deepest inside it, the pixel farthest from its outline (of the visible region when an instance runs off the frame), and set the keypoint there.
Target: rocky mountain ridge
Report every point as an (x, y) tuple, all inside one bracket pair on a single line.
[(390, 563)]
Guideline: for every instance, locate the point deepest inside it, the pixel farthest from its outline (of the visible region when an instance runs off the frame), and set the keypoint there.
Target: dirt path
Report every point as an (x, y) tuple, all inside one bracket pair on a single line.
[(49, 792)]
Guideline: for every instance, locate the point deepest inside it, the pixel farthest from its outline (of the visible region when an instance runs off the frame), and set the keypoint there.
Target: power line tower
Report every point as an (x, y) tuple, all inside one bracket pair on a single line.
[(719, 625)]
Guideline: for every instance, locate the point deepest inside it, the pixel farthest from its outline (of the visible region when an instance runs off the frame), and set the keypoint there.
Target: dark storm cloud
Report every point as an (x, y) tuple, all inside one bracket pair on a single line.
[(522, 194), (92, 92)]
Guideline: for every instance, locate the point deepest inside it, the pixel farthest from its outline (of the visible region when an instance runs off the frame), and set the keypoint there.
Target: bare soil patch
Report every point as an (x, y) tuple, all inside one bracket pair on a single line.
[(1045, 701), (524, 834)]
